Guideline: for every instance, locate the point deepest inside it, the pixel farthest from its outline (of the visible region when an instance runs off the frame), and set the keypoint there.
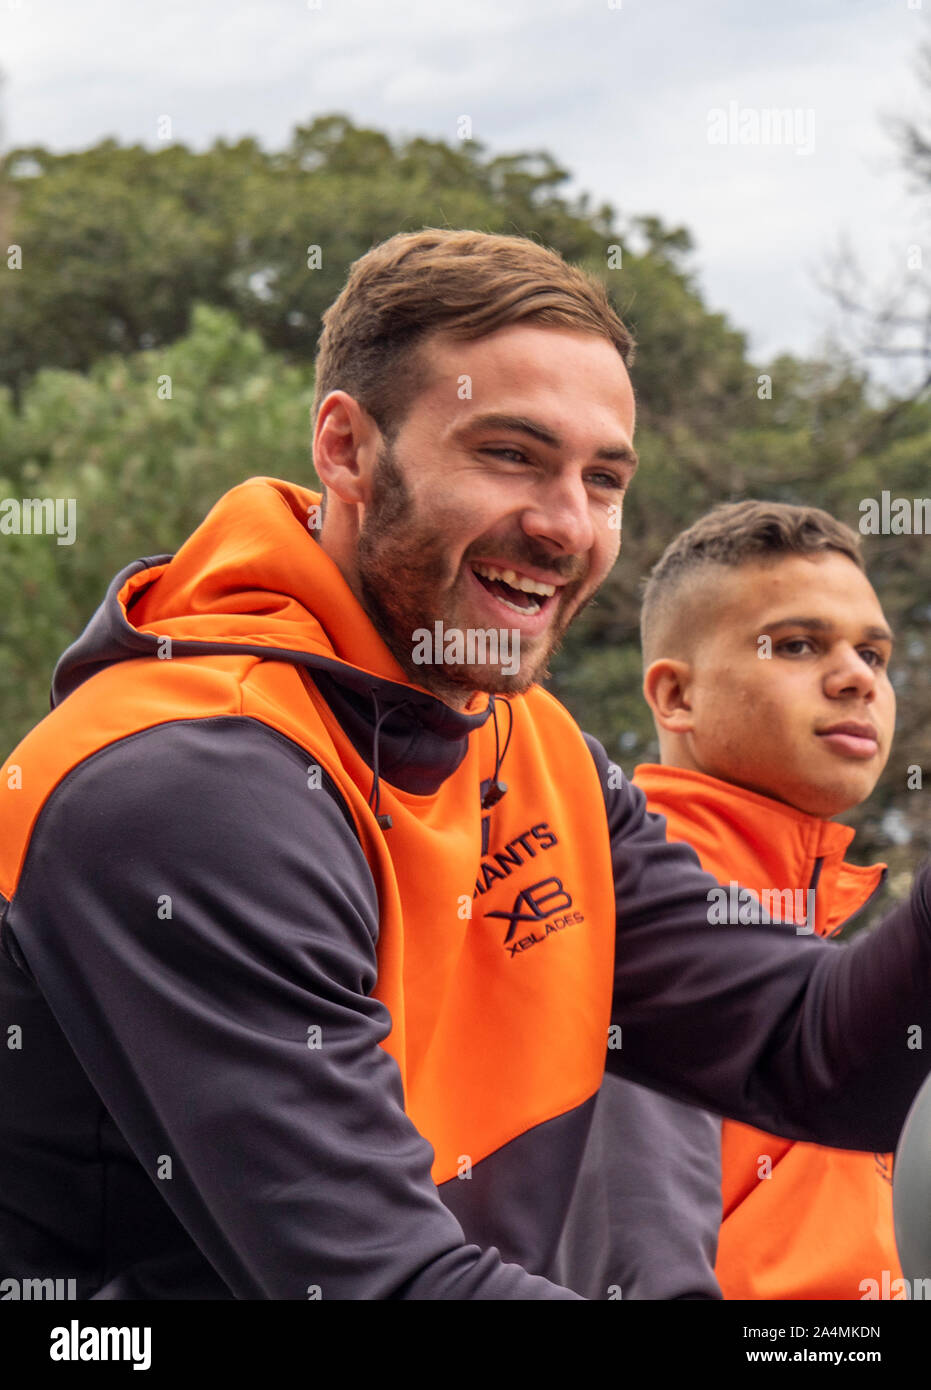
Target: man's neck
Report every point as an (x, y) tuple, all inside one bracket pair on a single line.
[(688, 766)]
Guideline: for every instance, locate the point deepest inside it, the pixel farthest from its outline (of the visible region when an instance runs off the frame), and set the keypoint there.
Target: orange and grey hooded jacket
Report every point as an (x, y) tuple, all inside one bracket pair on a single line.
[(799, 1221), (299, 1002)]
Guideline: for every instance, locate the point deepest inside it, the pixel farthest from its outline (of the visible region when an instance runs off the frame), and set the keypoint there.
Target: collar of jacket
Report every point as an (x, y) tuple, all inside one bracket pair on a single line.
[(252, 578), (739, 834)]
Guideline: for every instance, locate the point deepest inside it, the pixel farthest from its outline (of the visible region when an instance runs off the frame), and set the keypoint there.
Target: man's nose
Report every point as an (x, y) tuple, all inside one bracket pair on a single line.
[(561, 513), (849, 673)]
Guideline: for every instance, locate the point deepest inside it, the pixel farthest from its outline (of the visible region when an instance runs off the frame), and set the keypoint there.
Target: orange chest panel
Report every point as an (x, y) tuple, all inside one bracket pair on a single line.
[(496, 946)]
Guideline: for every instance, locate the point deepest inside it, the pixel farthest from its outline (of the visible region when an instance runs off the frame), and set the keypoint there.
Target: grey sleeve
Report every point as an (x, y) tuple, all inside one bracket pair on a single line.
[(796, 1035), (645, 1214), (203, 926)]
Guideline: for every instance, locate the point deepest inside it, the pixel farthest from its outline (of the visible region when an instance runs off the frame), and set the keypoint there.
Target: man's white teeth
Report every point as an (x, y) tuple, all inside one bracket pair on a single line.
[(526, 611), (516, 581)]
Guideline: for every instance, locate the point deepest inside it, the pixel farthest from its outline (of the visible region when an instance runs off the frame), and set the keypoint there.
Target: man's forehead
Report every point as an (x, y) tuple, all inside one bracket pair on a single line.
[(568, 402), (827, 588), (561, 358)]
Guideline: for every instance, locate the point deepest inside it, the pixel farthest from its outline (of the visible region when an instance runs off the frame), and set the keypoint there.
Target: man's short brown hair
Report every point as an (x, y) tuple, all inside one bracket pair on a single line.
[(731, 534), (466, 283)]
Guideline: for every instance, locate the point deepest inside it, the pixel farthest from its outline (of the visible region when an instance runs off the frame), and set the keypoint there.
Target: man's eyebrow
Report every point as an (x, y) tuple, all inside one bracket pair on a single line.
[(522, 424), (872, 633)]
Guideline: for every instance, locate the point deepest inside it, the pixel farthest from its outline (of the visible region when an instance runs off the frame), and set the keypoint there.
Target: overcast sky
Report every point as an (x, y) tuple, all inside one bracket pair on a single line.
[(651, 104)]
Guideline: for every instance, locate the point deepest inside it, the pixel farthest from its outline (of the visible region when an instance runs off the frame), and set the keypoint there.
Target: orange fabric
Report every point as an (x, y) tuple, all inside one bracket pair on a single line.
[(821, 1223), (489, 1043)]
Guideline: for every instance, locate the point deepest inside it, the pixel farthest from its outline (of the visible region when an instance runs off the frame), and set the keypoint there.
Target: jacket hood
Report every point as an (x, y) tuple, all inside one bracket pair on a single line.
[(252, 578)]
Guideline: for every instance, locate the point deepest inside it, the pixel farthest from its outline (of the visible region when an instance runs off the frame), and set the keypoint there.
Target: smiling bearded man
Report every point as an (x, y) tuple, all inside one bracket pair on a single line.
[(537, 492), (396, 538)]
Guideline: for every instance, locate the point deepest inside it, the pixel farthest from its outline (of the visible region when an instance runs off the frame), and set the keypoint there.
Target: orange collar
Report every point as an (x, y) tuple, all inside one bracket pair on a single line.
[(762, 843)]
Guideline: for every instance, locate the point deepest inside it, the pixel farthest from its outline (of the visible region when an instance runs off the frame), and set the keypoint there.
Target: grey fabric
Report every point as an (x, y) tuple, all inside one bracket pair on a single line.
[(516, 1198), (644, 1217)]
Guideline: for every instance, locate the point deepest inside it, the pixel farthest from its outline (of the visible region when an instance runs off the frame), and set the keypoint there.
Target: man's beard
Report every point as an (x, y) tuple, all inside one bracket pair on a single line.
[(401, 567)]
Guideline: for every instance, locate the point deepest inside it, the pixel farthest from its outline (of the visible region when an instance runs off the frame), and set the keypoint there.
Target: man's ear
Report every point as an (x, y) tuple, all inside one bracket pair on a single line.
[(345, 447), (666, 689)]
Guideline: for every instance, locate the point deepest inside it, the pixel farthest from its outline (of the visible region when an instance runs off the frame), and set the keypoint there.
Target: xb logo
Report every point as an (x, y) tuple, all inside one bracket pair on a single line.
[(535, 903)]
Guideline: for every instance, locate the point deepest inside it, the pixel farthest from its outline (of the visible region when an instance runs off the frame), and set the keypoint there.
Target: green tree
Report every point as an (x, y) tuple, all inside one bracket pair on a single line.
[(144, 470)]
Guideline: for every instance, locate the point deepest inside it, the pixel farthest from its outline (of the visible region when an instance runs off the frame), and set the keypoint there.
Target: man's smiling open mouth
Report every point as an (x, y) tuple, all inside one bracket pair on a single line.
[(516, 591)]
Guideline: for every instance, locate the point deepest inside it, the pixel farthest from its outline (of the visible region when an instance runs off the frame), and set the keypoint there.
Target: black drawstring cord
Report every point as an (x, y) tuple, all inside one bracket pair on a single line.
[(384, 821), (497, 789)]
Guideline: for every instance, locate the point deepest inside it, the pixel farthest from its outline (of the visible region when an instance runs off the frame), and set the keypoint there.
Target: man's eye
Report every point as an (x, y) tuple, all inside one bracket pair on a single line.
[(608, 481), (872, 657), (795, 645), (500, 453)]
